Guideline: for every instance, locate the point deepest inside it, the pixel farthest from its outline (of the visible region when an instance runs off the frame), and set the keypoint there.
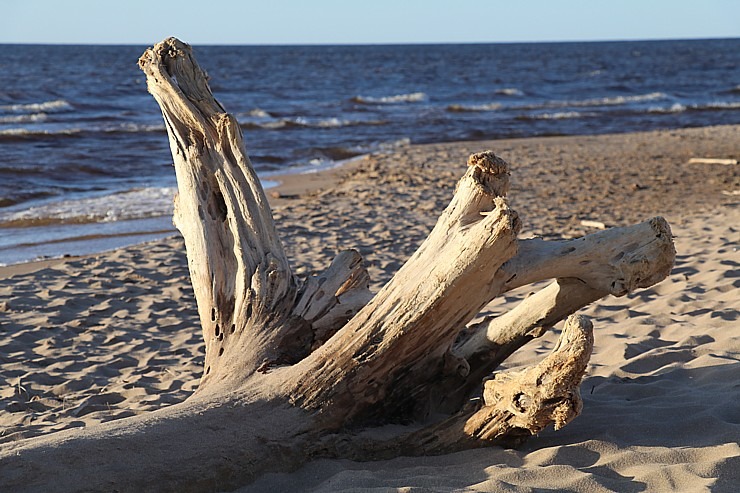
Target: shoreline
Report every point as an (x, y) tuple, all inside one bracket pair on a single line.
[(283, 188), (278, 188), (292, 187)]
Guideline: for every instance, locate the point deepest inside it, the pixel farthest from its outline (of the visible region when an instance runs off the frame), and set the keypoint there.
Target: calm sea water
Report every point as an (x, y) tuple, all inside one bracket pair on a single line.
[(85, 163)]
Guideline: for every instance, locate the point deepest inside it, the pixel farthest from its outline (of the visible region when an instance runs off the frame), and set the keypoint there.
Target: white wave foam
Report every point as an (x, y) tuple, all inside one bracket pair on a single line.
[(130, 128), (414, 97), (268, 124), (674, 108), (462, 108), (680, 108), (719, 105), (606, 101), (301, 121), (579, 103), (320, 164), (612, 101), (131, 204), (117, 128), (30, 118), (24, 132), (47, 106), (321, 123), (562, 115), (275, 124), (510, 91), (332, 122), (389, 145), (258, 113)]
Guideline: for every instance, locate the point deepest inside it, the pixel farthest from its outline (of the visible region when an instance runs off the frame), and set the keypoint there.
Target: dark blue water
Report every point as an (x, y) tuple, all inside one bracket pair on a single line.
[(83, 150)]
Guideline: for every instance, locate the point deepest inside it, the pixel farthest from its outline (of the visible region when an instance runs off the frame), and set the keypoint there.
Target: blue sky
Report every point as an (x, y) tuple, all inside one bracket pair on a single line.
[(369, 21)]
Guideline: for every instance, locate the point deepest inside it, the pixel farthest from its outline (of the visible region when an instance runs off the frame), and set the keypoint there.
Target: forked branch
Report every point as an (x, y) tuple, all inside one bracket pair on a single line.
[(399, 340)]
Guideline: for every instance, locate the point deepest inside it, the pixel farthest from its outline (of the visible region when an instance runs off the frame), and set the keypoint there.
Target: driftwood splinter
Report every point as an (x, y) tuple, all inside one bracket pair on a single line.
[(293, 370)]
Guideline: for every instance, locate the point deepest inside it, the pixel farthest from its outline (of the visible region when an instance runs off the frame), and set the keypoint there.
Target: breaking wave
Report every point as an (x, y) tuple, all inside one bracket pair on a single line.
[(718, 105), (258, 113), (40, 133), (331, 157), (47, 106), (130, 128), (712, 106), (607, 101), (510, 91), (579, 103), (26, 134), (298, 122), (131, 204), (467, 108), (30, 118), (561, 115), (674, 108), (414, 97)]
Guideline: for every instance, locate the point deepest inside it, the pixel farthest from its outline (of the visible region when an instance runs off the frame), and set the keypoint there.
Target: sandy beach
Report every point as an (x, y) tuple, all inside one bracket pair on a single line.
[(92, 339)]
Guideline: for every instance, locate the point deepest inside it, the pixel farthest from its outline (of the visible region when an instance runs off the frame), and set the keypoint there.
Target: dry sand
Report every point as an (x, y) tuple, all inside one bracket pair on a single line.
[(102, 337)]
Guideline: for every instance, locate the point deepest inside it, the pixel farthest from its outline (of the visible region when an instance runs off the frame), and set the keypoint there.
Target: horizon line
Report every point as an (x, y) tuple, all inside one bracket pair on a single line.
[(412, 43)]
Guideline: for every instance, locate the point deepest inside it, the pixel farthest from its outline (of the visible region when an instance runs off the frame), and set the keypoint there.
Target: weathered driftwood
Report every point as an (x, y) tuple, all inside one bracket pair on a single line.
[(293, 371), (707, 160)]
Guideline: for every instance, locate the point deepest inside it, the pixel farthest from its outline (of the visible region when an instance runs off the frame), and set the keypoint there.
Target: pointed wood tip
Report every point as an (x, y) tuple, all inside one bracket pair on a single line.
[(167, 48), (172, 45), (489, 162), (489, 172)]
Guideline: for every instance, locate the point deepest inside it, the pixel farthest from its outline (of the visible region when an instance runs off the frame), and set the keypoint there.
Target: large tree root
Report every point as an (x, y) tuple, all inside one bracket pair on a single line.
[(294, 370)]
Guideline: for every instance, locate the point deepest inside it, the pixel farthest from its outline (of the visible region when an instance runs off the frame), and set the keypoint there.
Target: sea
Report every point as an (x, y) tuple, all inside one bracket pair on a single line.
[(85, 163)]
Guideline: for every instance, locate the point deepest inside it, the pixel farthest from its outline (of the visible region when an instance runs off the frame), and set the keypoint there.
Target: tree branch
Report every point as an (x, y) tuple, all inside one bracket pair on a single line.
[(241, 276), (400, 338), (616, 261)]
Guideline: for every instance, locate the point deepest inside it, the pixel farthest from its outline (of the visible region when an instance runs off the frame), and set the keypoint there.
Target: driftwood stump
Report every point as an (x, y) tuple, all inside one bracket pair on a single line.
[(294, 370)]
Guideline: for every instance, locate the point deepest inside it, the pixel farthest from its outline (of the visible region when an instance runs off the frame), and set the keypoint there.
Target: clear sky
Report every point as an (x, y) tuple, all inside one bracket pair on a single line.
[(367, 21)]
